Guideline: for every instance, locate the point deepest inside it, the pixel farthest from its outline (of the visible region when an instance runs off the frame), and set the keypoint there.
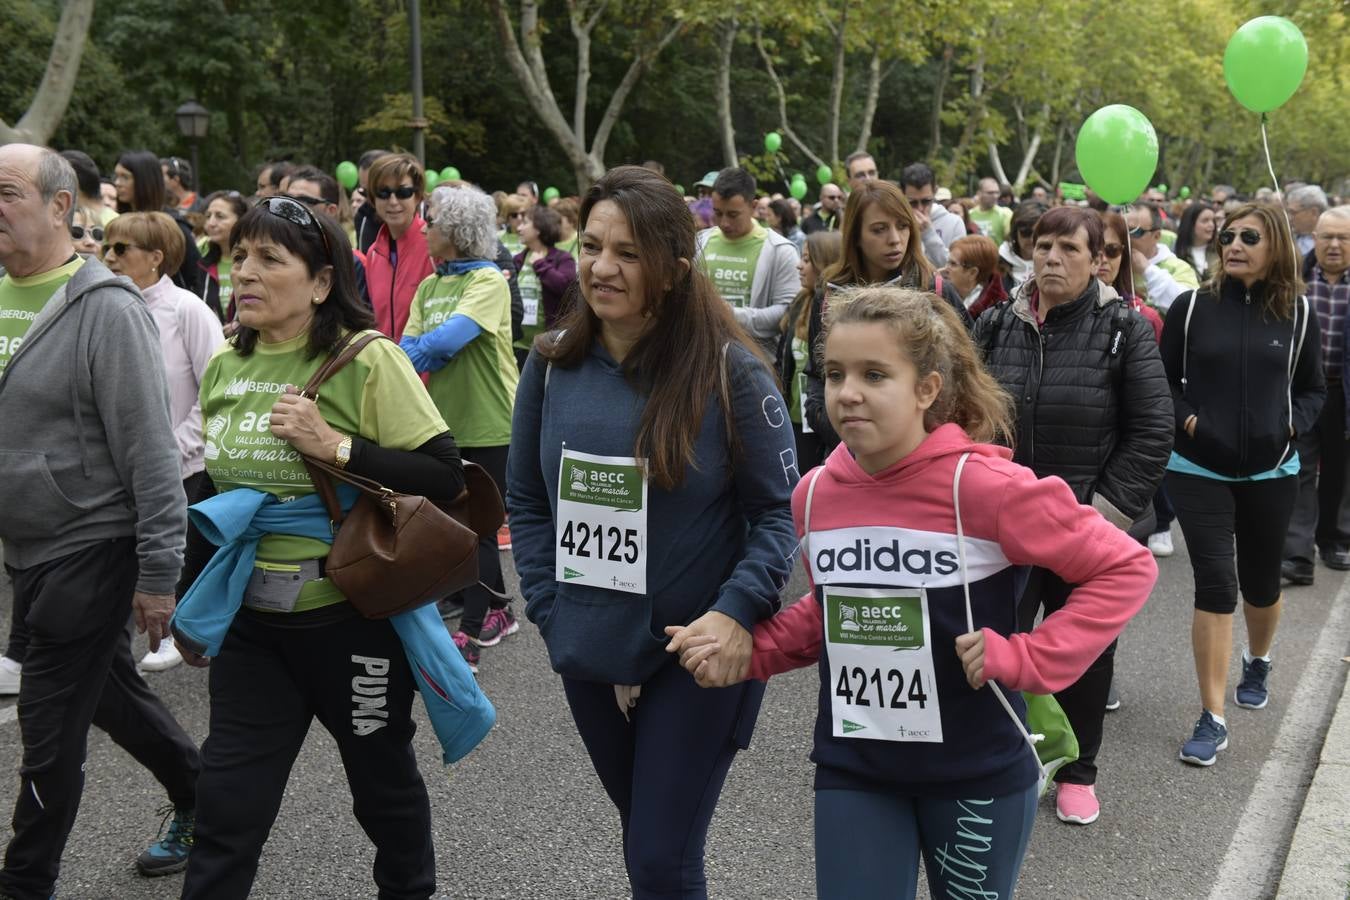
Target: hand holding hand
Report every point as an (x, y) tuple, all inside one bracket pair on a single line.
[(1190, 425), (296, 420), (720, 662), (970, 648), (153, 612)]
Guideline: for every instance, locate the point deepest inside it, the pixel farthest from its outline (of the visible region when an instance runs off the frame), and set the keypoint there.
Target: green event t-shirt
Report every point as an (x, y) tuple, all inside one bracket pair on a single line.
[(21, 299), (223, 269), (532, 299), (476, 390), (377, 396), (993, 223), (731, 264)]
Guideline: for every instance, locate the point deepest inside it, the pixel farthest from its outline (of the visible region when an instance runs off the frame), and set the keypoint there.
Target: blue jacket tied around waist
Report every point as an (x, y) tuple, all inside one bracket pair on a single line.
[(235, 520)]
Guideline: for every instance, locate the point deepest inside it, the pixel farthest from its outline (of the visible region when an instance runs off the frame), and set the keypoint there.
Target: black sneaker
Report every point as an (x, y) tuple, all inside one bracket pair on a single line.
[(169, 854), (1252, 692), (1337, 558), (450, 610), (1296, 571)]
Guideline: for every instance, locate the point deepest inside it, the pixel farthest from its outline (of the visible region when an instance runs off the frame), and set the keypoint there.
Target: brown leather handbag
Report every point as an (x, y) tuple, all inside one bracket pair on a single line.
[(393, 552)]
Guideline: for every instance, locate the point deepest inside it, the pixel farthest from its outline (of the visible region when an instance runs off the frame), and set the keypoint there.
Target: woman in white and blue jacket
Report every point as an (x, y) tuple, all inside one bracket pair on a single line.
[(649, 482)]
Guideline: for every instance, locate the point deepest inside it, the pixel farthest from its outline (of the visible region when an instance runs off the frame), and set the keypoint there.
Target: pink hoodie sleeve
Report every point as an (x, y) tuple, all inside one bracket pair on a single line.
[(791, 639), (1041, 523), (787, 641)]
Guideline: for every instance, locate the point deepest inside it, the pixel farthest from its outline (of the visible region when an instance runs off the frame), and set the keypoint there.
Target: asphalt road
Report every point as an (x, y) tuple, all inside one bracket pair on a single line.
[(524, 816)]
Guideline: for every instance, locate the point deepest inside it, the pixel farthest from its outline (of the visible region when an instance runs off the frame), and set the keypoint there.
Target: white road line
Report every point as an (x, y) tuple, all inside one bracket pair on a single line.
[(9, 714), (1257, 851)]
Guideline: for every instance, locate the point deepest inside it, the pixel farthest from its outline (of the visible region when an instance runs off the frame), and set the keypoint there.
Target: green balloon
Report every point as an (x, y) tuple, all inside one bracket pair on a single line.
[(551, 194), (1162, 188), (797, 189), (433, 179), (450, 173), (1185, 193), (1265, 63), (347, 174), (1117, 153), (824, 174), (798, 176), (772, 141), (680, 188)]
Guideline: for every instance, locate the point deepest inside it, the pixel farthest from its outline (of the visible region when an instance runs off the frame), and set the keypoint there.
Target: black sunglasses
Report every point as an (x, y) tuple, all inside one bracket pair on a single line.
[(402, 192), (120, 248), (1250, 236), (292, 211), (1026, 230), (1112, 250), (78, 232), (311, 202)]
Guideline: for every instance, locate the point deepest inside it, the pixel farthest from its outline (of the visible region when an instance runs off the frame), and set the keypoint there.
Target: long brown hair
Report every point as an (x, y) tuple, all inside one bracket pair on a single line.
[(678, 360), (1284, 282), (823, 249), (852, 269), (934, 339)]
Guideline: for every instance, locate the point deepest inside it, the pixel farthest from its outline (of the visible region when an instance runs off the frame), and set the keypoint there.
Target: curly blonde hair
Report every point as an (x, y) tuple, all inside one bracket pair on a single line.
[(935, 340)]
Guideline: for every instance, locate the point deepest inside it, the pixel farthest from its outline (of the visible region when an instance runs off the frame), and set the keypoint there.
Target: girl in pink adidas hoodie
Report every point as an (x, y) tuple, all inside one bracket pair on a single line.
[(916, 752)]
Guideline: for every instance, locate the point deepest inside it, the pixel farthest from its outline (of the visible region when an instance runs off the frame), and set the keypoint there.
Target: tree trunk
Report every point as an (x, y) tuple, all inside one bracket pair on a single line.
[(935, 124), (837, 82), (726, 44), (783, 125), (973, 118), (874, 78), (37, 125)]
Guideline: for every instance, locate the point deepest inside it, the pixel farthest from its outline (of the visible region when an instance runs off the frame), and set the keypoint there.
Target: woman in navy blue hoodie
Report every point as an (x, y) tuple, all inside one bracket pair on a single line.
[(649, 484)]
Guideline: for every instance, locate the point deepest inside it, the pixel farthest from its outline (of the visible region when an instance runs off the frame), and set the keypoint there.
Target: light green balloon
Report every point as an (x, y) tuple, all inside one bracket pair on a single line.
[(347, 174), (551, 194), (797, 189), (433, 179), (1117, 153), (824, 174), (772, 141), (450, 173), (1265, 62)]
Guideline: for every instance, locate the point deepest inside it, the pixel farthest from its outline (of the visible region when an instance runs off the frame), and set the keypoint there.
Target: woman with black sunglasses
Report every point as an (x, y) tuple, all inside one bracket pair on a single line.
[(86, 231), (139, 180), (296, 650), (1243, 357), (398, 260)]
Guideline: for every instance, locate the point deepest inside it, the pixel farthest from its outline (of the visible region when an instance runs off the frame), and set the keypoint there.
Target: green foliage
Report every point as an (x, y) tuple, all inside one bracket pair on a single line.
[(321, 82)]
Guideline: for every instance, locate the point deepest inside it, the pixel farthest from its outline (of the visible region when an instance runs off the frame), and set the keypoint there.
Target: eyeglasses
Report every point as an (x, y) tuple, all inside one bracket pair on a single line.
[(120, 248), (1139, 232), (287, 208), (953, 263), (77, 232), (402, 192), (1112, 250), (1250, 236)]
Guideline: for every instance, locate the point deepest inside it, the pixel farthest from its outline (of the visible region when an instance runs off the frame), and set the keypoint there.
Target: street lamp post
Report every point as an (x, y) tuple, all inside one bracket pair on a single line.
[(193, 120)]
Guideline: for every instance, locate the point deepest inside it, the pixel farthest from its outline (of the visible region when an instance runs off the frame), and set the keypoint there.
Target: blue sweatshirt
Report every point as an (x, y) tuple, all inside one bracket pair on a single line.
[(723, 540)]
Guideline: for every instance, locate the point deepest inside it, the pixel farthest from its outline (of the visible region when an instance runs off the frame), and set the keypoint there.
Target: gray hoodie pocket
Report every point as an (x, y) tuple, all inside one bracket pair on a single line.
[(32, 505)]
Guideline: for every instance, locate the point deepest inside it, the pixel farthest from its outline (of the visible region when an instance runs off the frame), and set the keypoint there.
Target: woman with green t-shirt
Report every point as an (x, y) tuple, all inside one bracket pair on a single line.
[(820, 251), (545, 274), (459, 331), (296, 649), (223, 209)]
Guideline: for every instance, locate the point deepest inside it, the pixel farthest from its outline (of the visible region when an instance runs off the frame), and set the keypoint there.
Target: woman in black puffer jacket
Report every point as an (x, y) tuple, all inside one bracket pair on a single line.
[(1243, 358)]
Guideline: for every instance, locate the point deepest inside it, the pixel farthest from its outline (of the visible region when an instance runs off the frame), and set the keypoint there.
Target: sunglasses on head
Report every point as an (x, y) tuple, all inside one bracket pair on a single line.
[(402, 192), (1112, 250), (292, 211), (119, 247), (78, 232), (1139, 232), (1250, 236)]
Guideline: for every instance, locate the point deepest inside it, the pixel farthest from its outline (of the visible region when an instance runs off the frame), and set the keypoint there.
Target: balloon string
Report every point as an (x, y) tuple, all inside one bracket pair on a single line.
[(1129, 249), (1275, 185)]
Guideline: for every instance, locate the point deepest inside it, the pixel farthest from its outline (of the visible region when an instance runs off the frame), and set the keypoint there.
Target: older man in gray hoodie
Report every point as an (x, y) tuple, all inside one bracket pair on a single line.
[(92, 516)]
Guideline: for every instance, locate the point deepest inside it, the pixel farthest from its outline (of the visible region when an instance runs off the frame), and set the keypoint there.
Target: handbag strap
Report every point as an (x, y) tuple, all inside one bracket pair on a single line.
[(320, 471), (1030, 738)]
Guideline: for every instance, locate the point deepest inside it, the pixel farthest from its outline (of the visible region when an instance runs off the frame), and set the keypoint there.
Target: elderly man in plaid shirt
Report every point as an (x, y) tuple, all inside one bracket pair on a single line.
[(1322, 516)]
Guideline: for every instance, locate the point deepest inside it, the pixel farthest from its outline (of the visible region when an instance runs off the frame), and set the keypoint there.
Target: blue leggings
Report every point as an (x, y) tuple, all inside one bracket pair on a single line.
[(868, 845)]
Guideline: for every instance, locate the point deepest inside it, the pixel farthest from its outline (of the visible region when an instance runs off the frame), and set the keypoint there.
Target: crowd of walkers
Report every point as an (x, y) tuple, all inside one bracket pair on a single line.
[(974, 419)]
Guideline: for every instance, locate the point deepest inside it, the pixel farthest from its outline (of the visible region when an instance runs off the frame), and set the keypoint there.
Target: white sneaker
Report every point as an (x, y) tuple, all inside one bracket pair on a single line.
[(9, 677), (167, 657), (1160, 544)]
